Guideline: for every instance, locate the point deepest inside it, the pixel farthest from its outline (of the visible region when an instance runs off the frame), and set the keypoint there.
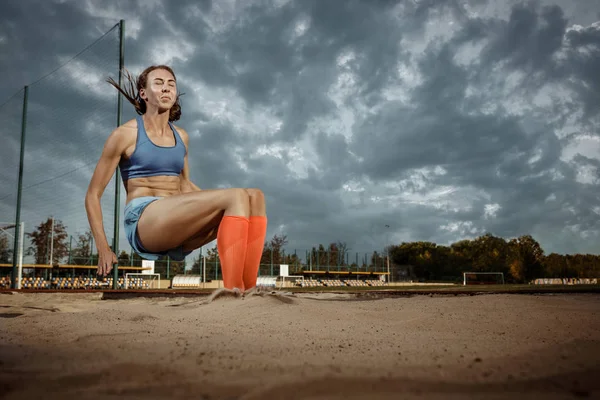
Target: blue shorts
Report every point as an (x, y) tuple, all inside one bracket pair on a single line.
[(133, 211)]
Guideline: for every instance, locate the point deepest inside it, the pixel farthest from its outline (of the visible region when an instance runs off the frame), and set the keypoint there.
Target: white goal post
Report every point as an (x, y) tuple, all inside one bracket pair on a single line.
[(284, 273), (153, 277), (147, 272), (498, 280), (283, 278)]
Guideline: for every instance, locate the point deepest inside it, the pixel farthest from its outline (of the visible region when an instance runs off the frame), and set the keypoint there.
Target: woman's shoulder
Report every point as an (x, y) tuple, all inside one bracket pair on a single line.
[(182, 132), (125, 132), (127, 129), (131, 124)]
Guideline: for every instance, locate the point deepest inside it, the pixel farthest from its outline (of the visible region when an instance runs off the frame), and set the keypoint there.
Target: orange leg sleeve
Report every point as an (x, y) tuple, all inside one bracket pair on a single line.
[(232, 239), (257, 230)]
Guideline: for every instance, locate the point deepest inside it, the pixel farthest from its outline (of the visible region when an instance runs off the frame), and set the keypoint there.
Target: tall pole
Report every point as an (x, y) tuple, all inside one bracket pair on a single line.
[(51, 242), (387, 251), (19, 190), (203, 265), (117, 176), (20, 255)]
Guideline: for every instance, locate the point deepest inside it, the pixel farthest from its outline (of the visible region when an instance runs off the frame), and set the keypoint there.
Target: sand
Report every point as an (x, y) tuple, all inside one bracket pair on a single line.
[(302, 346)]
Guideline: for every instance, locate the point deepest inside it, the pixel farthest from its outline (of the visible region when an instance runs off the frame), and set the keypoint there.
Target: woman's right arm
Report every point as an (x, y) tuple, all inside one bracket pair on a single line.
[(107, 164)]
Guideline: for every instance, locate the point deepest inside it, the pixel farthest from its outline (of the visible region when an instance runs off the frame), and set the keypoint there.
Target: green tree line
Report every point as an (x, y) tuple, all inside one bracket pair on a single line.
[(521, 259)]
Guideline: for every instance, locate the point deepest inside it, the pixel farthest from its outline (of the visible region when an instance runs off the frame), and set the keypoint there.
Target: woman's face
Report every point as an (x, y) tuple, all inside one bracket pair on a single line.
[(161, 90)]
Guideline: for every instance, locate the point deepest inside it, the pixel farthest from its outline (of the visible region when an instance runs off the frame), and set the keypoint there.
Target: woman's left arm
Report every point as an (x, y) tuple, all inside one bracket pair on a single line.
[(186, 185)]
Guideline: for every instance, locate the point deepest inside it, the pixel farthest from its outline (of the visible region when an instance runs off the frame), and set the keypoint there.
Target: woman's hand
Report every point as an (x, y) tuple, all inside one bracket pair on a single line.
[(106, 260)]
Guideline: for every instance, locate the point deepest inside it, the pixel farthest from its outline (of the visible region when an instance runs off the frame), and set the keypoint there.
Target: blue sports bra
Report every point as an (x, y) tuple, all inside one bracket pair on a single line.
[(149, 159)]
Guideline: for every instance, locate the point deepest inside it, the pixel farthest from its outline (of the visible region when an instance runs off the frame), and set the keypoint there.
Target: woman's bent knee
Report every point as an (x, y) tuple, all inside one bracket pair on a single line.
[(238, 202), (255, 194), (238, 195), (257, 202)]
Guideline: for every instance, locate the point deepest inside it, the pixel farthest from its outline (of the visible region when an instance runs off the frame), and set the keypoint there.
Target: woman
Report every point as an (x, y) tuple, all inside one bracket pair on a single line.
[(165, 212)]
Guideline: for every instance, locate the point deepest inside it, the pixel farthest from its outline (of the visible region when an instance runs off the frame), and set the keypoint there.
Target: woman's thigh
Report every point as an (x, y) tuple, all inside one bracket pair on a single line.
[(171, 221), (202, 238)]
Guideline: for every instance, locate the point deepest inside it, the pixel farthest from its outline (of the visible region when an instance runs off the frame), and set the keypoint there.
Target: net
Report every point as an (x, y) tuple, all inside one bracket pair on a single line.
[(483, 278), (11, 112), (70, 113), (7, 236)]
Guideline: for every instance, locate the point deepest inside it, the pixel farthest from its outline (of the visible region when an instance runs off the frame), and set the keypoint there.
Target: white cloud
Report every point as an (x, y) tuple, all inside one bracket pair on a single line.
[(111, 13), (462, 229), (469, 53), (224, 105), (168, 51), (588, 174), (302, 25), (586, 145), (299, 160), (491, 210), (353, 186), (87, 77)]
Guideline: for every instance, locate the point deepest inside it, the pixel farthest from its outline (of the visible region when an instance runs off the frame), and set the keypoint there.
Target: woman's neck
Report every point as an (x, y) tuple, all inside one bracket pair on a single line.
[(157, 123)]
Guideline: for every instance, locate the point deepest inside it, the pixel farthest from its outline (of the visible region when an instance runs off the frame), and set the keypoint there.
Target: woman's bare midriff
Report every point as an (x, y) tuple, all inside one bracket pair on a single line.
[(160, 186)]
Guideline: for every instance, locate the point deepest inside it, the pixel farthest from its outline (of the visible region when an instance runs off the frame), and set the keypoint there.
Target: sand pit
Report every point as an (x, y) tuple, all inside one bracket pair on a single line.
[(303, 346)]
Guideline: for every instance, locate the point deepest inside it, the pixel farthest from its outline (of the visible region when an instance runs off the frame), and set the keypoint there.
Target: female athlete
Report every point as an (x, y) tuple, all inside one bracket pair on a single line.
[(165, 213)]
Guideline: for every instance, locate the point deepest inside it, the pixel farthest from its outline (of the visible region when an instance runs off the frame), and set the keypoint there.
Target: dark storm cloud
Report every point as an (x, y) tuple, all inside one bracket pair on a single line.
[(212, 67), (583, 62), (401, 138), (490, 152), (337, 165), (291, 203), (529, 38), (532, 40), (271, 70), (292, 73), (434, 130), (267, 65), (211, 157), (36, 34)]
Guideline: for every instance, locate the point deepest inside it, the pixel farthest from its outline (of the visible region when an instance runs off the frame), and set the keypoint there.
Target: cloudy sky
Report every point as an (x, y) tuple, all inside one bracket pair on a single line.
[(369, 122)]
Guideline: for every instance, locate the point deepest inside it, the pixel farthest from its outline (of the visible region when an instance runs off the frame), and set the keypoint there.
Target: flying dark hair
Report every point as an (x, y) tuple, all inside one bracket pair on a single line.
[(133, 86)]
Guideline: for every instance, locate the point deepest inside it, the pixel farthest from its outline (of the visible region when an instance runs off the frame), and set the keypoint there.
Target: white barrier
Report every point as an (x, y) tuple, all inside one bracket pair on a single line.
[(186, 281), (565, 281), (266, 281)]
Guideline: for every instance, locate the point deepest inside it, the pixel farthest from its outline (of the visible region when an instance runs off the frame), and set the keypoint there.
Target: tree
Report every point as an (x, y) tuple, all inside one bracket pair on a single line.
[(462, 254), (343, 250), (175, 267), (294, 262), (273, 251), (124, 258), (424, 258), (211, 263), (5, 250), (555, 266), (40, 240), (81, 254), (318, 257), (489, 254), (525, 256), (377, 261)]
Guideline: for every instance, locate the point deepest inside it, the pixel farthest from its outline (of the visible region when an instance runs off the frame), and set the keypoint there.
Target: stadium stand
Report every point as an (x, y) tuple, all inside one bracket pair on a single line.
[(312, 282), (73, 283)]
